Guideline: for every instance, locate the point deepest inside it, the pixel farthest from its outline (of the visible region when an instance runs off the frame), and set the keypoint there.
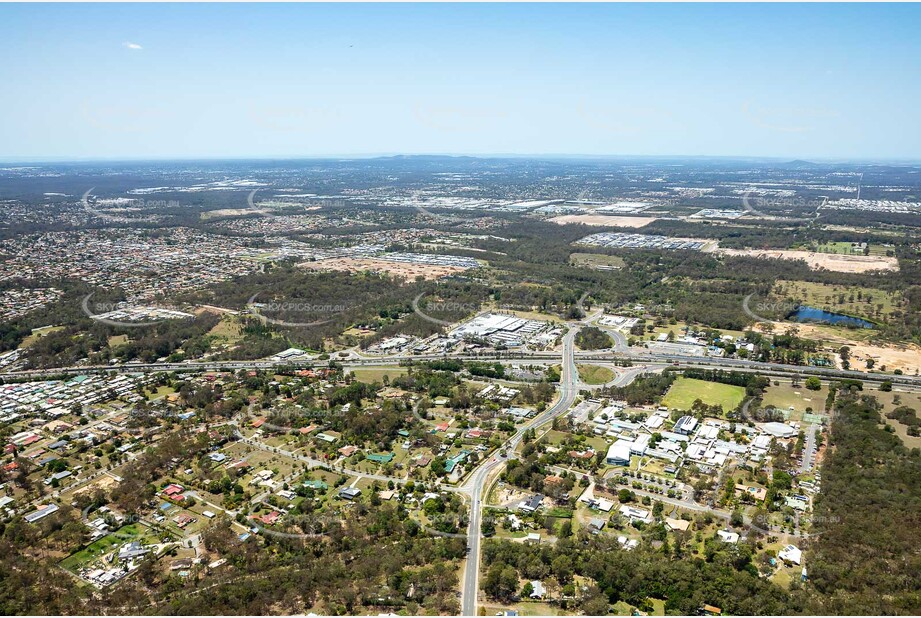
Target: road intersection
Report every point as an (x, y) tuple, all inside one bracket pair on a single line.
[(479, 479)]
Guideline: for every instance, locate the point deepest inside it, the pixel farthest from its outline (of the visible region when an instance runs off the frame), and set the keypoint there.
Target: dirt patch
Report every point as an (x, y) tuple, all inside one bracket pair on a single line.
[(604, 220), (826, 261), (906, 357), (103, 483), (397, 269)]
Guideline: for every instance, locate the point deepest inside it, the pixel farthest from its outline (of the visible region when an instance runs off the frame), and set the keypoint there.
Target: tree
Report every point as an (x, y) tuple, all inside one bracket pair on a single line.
[(813, 383), (845, 353), (566, 529)]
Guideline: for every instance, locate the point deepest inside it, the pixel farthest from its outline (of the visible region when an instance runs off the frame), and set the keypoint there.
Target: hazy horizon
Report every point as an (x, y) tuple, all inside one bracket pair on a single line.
[(193, 82)]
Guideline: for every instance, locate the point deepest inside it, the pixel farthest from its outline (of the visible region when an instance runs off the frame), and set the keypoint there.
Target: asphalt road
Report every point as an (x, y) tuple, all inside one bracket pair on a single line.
[(569, 389), (809, 449), (632, 354)]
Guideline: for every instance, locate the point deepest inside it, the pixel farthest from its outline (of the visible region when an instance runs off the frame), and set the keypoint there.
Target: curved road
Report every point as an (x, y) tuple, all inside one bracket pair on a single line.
[(477, 483)]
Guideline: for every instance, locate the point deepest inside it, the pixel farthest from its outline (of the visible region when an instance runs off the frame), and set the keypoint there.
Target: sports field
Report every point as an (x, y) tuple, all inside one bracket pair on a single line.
[(685, 391), (376, 374), (785, 395)]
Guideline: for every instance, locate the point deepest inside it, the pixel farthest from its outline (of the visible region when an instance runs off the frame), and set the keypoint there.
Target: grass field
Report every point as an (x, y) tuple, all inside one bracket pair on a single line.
[(862, 302), (912, 400), (685, 391), (596, 261), (160, 393), (785, 395), (227, 330), (38, 333), (376, 374), (593, 374), (844, 248)]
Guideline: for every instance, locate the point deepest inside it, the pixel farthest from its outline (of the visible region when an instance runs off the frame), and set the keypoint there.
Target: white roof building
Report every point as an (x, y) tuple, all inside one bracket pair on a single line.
[(791, 554), (634, 514), (685, 425), (619, 453), (779, 430), (640, 444)]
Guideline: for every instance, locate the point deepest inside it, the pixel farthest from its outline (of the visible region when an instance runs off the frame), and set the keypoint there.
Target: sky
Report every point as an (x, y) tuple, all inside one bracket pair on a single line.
[(794, 81)]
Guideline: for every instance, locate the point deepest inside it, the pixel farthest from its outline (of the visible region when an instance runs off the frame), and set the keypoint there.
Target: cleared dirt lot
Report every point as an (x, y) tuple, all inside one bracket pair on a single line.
[(604, 220), (397, 269), (906, 357), (827, 261)]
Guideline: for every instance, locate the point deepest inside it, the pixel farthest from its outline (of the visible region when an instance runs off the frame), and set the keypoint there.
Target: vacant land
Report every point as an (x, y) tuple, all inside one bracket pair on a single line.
[(871, 303), (685, 391), (104, 545), (231, 212), (785, 395), (826, 261), (38, 333), (227, 330), (596, 261), (906, 357), (604, 220), (593, 374), (846, 248), (398, 269), (117, 340), (912, 400), (377, 374)]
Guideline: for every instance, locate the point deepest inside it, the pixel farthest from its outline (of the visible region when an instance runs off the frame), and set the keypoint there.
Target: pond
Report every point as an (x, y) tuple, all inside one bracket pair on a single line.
[(812, 314)]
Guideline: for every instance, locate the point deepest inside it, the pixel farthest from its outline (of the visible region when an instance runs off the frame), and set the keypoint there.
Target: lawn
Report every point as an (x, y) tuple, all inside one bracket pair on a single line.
[(844, 248), (160, 393), (685, 391), (376, 374), (785, 395), (556, 438), (101, 547), (117, 340), (593, 374)]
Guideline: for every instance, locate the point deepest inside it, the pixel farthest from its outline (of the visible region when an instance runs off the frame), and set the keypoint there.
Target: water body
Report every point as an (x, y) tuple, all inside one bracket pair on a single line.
[(812, 314)]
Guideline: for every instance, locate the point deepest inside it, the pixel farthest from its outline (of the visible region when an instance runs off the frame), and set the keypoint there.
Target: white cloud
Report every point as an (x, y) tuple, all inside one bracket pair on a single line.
[(134, 46)]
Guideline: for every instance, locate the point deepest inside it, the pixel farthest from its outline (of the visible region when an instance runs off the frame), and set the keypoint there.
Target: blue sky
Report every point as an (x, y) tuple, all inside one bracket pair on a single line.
[(186, 81)]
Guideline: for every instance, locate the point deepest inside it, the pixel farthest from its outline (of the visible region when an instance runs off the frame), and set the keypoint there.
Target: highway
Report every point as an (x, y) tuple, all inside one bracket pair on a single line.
[(633, 355), (569, 388)]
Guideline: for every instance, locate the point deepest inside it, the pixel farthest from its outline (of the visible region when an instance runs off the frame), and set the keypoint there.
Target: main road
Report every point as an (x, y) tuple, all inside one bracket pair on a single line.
[(477, 483)]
